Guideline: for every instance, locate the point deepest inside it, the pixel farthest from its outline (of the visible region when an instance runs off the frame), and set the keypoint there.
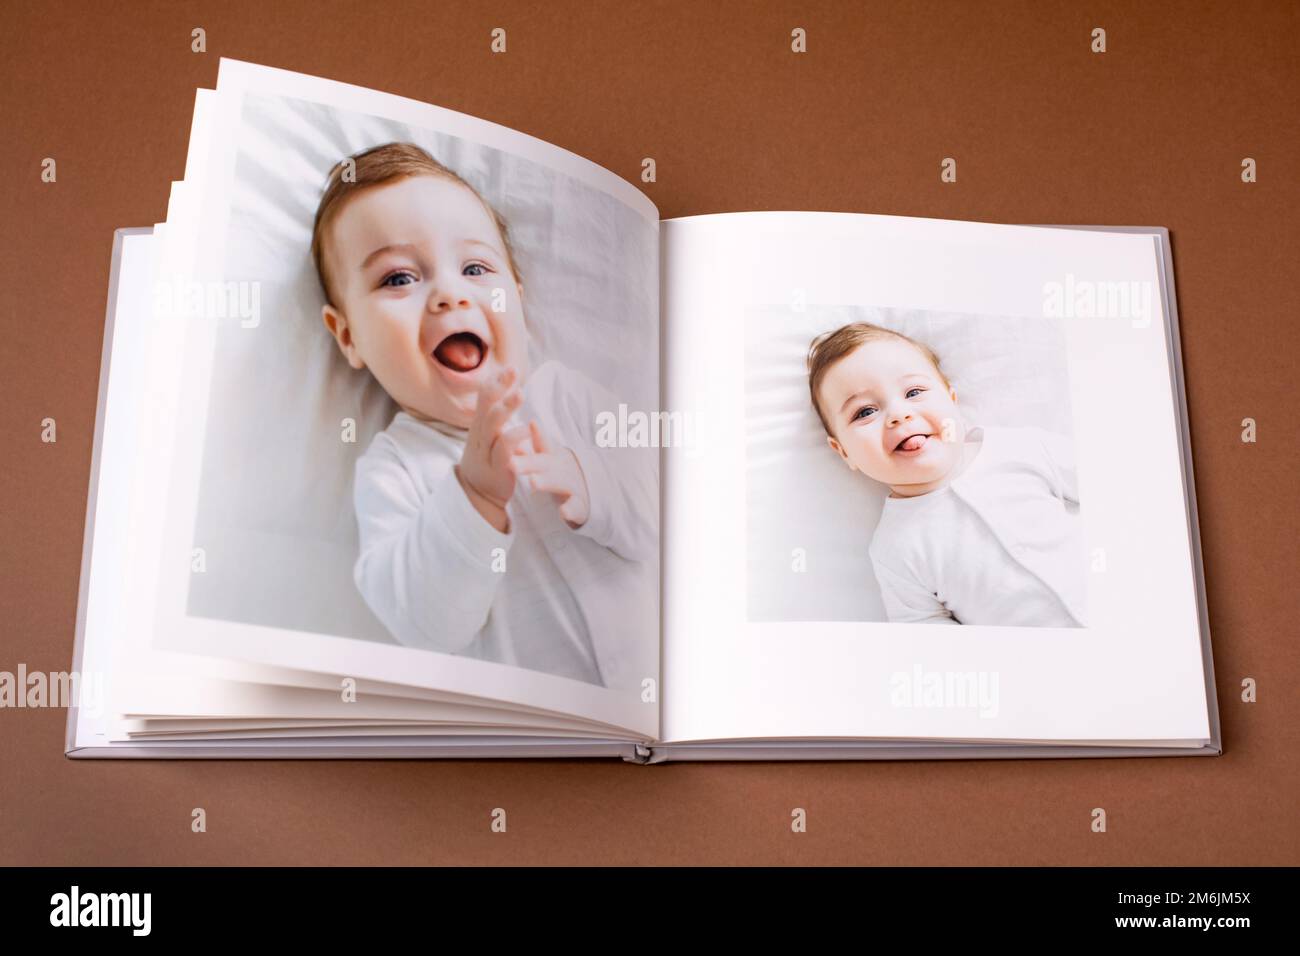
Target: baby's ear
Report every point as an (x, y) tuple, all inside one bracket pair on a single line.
[(337, 323), (839, 450)]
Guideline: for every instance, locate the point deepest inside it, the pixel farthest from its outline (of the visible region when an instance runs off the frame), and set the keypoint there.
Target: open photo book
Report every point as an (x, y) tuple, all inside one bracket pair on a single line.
[(420, 437)]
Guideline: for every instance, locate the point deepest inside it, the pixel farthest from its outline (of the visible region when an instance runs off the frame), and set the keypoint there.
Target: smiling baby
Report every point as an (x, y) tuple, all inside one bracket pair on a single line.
[(491, 525), (981, 525)]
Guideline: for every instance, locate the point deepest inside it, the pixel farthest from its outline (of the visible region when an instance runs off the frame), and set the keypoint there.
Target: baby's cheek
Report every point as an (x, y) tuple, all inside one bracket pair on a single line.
[(515, 338), (875, 464)]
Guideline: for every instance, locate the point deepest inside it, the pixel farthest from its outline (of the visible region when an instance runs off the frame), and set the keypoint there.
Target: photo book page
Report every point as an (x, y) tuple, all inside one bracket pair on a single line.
[(393, 334), (939, 493)]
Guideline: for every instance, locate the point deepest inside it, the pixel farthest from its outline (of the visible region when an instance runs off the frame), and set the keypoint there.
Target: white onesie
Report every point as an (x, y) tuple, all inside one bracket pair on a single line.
[(580, 604), (1002, 544)]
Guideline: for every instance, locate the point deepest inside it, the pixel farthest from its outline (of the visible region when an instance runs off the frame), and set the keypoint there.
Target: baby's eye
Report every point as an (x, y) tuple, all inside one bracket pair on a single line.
[(388, 279), (475, 265), (916, 389), (862, 413)]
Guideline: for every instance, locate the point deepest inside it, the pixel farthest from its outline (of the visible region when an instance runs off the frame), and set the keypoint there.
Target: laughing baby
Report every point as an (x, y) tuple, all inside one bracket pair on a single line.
[(491, 526), (981, 525)]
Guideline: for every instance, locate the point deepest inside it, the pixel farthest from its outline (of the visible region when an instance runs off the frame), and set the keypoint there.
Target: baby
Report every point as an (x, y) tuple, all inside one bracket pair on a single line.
[(490, 524), (981, 526)]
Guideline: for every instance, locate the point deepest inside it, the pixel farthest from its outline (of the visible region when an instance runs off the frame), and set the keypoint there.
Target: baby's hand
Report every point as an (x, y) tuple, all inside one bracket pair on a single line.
[(484, 469), (558, 472)]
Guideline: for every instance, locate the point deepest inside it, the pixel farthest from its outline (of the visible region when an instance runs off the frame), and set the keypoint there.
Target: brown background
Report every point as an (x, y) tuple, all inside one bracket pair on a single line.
[(1150, 133)]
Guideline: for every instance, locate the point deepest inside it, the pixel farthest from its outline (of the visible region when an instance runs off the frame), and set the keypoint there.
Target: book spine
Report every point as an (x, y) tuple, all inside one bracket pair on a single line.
[(640, 754)]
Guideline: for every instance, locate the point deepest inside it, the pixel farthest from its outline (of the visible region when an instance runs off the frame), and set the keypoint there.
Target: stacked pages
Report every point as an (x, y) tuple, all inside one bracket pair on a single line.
[(420, 437)]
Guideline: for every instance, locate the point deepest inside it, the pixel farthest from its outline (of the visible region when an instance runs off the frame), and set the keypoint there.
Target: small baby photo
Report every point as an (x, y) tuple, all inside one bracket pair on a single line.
[(910, 467), (401, 448)]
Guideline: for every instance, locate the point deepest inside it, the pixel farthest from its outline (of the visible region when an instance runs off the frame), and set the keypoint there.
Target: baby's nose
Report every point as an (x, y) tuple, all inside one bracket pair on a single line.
[(445, 296)]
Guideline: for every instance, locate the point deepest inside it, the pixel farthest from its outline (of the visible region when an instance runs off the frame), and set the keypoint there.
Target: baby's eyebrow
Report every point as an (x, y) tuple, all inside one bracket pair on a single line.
[(856, 395), (394, 247), (486, 245), (410, 247)]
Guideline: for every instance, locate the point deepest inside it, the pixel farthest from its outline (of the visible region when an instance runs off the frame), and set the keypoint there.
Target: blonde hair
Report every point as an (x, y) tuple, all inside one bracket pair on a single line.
[(375, 167), (829, 347)]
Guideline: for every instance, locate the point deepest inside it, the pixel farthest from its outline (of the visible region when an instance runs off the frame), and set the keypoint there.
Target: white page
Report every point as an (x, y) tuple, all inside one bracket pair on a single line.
[(182, 428), (200, 699), (1135, 672), (106, 611)]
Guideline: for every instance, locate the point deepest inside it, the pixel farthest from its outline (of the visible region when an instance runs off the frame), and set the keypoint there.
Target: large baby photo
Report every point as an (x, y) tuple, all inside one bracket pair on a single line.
[(401, 448), (910, 467)]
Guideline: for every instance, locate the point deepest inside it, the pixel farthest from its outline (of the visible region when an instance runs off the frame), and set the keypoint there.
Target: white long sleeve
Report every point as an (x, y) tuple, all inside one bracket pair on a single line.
[(1002, 544), (1060, 464), (906, 600), (543, 597), (426, 564), (622, 483)]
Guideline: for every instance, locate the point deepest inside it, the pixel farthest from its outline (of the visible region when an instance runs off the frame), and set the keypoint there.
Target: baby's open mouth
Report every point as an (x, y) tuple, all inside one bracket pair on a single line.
[(912, 443), (461, 352)]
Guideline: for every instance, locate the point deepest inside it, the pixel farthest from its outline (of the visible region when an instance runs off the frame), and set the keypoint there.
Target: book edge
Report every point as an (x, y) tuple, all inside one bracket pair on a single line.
[(96, 455)]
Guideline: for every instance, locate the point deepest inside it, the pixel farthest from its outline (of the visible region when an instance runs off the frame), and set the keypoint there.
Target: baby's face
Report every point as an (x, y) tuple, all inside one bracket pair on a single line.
[(890, 413), (415, 265)]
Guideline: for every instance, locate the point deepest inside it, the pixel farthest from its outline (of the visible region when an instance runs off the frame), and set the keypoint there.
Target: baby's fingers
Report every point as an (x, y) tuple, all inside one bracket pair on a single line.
[(491, 424), (572, 511), (492, 391), (526, 464), (514, 441), (539, 440), (544, 473)]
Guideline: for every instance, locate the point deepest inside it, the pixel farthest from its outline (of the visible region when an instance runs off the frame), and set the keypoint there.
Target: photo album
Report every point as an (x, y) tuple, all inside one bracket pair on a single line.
[(418, 436)]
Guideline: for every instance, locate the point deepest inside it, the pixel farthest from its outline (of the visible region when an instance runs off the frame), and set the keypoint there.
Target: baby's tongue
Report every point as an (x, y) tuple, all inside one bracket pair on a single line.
[(462, 351), (913, 443)]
